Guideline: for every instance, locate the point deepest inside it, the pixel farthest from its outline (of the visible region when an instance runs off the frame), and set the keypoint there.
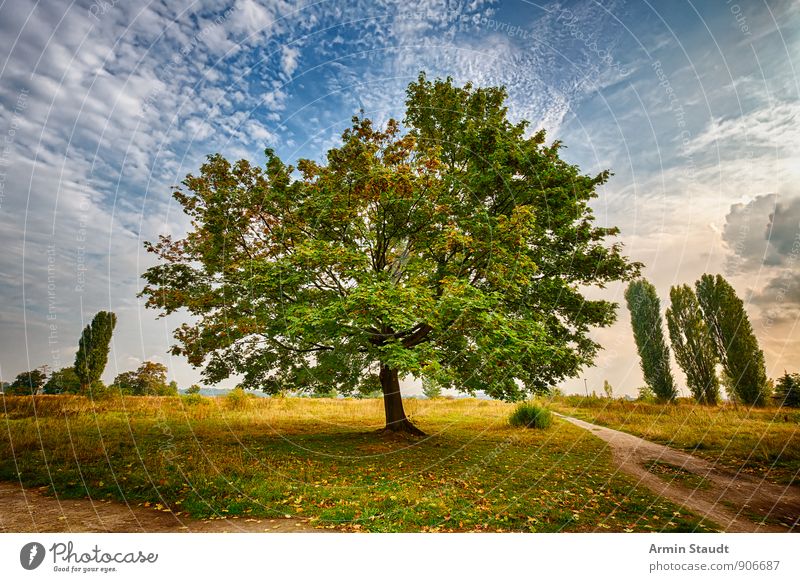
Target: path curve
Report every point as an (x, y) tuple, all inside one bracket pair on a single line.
[(776, 503), (28, 510)]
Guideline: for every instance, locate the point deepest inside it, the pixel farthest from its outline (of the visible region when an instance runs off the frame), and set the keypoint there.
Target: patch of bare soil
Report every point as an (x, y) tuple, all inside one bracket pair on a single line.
[(736, 502), (28, 510)]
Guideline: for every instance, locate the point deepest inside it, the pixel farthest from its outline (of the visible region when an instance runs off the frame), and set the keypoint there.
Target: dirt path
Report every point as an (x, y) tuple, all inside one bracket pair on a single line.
[(28, 510), (728, 500)]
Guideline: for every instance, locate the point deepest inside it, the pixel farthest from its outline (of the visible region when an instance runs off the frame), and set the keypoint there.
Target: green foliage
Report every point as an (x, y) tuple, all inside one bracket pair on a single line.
[(63, 381), (92, 356), (26, 383), (735, 343), (692, 344), (787, 390), (648, 332), (529, 415), (238, 399), (193, 389), (150, 379), (454, 252), (646, 394), (194, 399), (324, 392), (97, 390), (431, 389)]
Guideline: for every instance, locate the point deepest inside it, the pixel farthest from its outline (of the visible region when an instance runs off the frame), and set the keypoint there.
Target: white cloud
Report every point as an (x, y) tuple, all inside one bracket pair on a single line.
[(289, 59)]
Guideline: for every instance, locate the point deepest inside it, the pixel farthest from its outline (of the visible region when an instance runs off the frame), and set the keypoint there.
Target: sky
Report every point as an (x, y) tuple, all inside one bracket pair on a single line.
[(106, 105)]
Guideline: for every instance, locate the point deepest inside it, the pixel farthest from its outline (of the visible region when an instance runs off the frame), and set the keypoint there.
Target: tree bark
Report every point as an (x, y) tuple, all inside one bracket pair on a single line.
[(396, 420)]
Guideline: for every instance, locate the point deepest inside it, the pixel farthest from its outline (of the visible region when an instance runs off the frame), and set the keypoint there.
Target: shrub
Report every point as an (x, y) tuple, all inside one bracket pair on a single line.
[(193, 399), (99, 391), (646, 394), (238, 399), (530, 415)]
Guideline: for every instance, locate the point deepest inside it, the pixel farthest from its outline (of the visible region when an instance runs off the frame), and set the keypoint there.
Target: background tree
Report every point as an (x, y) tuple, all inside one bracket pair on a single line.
[(27, 383), (431, 389), (734, 342), (692, 344), (92, 356), (454, 251), (149, 379), (194, 389), (608, 389), (787, 390), (324, 392), (63, 381), (648, 332)]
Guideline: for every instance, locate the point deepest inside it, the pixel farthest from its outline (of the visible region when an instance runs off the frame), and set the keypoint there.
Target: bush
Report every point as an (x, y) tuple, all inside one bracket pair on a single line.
[(238, 399), (193, 389), (531, 416), (99, 391), (193, 399), (646, 394)]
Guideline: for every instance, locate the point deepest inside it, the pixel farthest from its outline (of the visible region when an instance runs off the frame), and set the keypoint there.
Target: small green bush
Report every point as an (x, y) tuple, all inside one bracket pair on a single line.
[(530, 415)]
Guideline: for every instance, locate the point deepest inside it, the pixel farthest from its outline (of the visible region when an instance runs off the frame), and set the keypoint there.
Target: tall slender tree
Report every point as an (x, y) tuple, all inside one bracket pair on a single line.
[(648, 332), (453, 248), (735, 343), (92, 356), (692, 344)]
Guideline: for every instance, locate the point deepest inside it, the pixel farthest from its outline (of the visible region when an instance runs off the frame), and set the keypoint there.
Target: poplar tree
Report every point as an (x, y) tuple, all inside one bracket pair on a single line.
[(93, 347), (735, 343), (692, 344), (648, 333)]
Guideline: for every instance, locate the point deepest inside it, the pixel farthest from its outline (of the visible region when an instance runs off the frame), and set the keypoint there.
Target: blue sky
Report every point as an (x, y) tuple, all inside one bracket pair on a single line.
[(105, 105)]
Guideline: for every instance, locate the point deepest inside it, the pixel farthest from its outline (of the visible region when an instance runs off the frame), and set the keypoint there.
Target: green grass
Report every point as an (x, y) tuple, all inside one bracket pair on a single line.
[(324, 460), (530, 415), (763, 442)]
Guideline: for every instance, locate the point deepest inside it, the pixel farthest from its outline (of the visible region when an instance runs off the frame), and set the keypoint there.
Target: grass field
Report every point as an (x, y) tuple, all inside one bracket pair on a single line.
[(324, 460), (764, 442)]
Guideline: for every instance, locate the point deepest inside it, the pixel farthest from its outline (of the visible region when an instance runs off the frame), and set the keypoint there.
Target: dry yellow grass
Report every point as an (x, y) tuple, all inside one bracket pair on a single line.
[(325, 459), (759, 441)]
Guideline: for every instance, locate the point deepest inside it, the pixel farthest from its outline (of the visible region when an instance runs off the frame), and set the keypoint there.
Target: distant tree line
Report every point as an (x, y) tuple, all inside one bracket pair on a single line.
[(83, 377), (708, 329)]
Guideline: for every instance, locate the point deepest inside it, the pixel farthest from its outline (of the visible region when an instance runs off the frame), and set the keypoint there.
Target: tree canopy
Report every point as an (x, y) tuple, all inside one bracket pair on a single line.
[(27, 383), (453, 248), (63, 381), (149, 379), (787, 390)]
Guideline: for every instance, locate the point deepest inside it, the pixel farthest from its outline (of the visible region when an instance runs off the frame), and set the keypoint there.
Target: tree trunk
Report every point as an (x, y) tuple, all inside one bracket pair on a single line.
[(396, 420)]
